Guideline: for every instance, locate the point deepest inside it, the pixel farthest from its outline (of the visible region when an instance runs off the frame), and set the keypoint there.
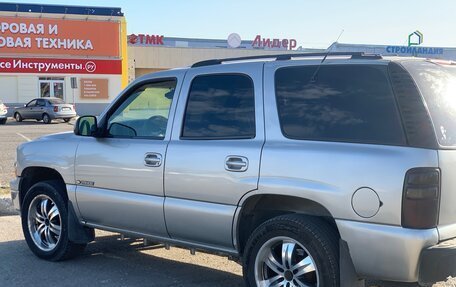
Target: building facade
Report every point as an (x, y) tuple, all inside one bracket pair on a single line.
[(84, 56), (74, 53), (403, 51)]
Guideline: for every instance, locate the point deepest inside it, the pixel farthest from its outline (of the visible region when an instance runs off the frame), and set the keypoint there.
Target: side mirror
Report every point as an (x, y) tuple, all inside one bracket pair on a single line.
[(86, 126), (119, 129)]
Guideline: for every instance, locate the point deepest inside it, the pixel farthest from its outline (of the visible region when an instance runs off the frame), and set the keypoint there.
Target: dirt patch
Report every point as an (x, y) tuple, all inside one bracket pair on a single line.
[(6, 205)]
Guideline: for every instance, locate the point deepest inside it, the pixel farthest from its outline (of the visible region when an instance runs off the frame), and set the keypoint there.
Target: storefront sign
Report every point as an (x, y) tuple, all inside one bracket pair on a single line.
[(234, 40), (60, 66), (289, 44), (145, 39), (413, 50), (415, 38), (94, 88), (42, 36)]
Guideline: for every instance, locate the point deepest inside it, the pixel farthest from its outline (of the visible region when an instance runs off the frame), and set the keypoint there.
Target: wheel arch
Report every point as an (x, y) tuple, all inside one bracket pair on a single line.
[(35, 174), (259, 208)]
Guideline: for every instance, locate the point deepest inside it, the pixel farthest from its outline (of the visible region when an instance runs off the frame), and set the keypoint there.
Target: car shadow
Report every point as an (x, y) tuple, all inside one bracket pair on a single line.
[(112, 262), (33, 122)]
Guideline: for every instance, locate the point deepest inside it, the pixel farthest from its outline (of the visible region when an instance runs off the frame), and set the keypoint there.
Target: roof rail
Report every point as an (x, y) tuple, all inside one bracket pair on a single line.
[(283, 57)]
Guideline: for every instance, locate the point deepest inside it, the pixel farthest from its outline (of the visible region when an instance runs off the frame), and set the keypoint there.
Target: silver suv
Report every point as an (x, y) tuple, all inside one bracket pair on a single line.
[(310, 169)]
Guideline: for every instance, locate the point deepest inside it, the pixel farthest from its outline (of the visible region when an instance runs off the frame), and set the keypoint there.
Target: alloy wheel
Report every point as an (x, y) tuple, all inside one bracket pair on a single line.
[(283, 261), (44, 222)]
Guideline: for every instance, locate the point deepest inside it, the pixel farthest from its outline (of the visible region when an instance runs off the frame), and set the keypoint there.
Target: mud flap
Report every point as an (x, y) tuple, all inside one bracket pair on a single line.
[(77, 233), (348, 276)]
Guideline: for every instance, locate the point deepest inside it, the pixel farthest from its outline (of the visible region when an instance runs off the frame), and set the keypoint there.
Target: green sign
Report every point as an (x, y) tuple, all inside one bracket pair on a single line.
[(415, 38)]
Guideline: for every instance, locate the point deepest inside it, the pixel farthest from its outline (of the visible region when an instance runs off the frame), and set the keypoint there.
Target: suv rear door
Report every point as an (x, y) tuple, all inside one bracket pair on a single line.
[(213, 157)]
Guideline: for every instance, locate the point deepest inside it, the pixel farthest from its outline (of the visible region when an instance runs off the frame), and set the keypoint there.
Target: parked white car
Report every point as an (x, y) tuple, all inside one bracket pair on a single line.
[(3, 113)]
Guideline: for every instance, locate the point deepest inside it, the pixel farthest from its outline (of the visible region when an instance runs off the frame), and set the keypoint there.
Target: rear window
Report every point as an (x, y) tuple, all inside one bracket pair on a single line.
[(220, 106), (437, 84), (56, 101), (348, 103)]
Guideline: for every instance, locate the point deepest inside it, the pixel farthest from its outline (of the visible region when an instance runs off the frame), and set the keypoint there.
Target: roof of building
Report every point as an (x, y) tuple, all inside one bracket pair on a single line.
[(61, 9)]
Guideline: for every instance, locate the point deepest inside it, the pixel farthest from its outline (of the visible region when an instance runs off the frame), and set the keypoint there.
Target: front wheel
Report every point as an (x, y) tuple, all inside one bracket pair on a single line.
[(18, 117), (292, 250), (45, 222)]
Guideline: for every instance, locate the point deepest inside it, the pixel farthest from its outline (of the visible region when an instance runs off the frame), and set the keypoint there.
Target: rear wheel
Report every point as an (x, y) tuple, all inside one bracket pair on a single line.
[(66, 120), (292, 250), (18, 117), (46, 119), (45, 222)]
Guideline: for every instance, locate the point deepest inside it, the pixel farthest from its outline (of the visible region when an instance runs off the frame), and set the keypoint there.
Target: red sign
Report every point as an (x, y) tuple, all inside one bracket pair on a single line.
[(60, 66), (51, 36), (274, 43), (142, 39)]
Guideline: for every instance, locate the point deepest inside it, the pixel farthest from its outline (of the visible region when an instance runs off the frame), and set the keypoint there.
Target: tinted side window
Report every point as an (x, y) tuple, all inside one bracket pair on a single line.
[(32, 103), (220, 107), (437, 83), (40, 103), (144, 113), (352, 103)]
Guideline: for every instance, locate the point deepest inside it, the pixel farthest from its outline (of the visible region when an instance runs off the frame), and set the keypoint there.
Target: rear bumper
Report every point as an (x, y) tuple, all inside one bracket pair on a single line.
[(438, 262), (63, 115), (386, 252), (14, 187)]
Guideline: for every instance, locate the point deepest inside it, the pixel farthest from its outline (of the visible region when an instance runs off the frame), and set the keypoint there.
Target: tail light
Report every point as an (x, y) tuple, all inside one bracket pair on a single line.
[(56, 108), (421, 198)]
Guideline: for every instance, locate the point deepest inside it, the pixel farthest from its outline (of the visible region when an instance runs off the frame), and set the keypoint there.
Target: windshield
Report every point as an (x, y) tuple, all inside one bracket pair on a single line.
[(56, 101), (437, 83)]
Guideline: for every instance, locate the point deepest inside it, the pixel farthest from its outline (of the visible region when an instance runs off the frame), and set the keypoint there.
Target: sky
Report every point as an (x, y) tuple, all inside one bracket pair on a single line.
[(313, 23)]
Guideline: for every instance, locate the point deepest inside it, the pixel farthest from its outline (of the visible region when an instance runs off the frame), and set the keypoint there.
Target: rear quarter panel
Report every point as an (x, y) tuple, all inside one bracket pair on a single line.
[(330, 172)]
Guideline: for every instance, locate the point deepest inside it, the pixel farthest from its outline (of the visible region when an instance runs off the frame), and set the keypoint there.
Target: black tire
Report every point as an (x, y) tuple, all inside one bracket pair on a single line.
[(2, 121), (66, 120), (316, 236), (18, 117), (46, 119), (64, 248)]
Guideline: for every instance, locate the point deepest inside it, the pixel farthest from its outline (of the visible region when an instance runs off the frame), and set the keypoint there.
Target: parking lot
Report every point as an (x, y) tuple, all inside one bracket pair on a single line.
[(109, 260)]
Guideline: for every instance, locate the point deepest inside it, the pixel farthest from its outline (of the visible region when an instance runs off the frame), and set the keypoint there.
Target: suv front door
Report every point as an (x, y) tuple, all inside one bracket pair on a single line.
[(213, 157), (119, 176)]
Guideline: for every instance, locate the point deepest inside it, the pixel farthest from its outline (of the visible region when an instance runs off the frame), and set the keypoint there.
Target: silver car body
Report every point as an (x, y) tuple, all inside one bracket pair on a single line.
[(36, 108), (191, 199)]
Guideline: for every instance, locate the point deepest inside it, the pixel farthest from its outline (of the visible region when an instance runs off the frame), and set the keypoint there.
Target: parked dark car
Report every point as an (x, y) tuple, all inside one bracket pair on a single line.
[(45, 109)]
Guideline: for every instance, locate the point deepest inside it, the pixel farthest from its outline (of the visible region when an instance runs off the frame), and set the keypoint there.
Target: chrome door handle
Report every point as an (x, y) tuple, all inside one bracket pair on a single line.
[(152, 159), (236, 163)]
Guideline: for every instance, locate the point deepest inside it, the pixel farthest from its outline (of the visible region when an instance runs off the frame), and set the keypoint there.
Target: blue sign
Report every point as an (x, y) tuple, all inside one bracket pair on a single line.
[(414, 50)]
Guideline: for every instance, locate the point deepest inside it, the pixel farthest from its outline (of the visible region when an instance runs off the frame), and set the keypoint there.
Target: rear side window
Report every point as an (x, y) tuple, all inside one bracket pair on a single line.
[(56, 101), (437, 84), (349, 103), (220, 107)]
